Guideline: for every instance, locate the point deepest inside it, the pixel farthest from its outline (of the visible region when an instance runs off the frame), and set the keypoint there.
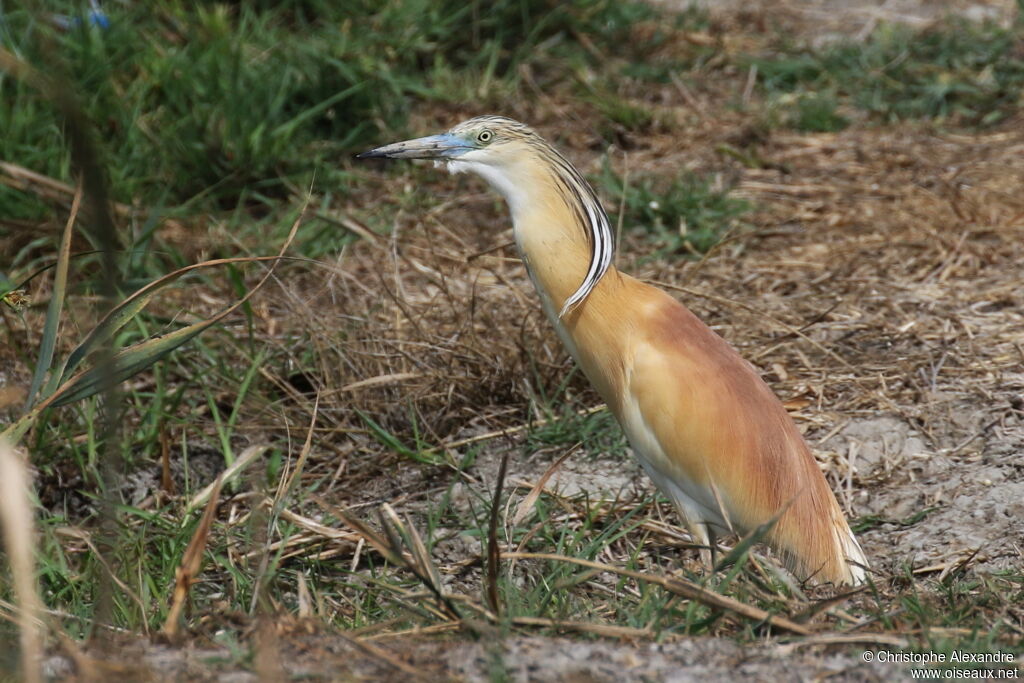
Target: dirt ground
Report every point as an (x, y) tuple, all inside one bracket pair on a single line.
[(825, 20), (882, 296), (523, 658)]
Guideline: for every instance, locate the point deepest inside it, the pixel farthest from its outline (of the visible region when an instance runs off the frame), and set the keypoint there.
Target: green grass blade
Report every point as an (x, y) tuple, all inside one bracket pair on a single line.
[(287, 128), (6, 286), (13, 432), (144, 354), (131, 361), (126, 310), (388, 439), (56, 306), (745, 544)]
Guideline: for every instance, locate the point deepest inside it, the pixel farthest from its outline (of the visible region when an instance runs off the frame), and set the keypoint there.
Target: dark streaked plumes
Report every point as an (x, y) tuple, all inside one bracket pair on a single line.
[(579, 196)]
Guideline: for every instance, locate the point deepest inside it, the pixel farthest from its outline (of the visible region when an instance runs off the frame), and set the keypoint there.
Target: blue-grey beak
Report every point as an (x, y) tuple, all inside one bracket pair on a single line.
[(444, 146)]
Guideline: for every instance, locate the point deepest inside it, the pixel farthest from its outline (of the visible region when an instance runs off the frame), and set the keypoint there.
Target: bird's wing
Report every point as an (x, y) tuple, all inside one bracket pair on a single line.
[(703, 418), (708, 425)]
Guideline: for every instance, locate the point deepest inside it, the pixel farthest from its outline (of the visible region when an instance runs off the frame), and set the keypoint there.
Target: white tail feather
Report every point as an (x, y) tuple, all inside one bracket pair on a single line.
[(849, 548)]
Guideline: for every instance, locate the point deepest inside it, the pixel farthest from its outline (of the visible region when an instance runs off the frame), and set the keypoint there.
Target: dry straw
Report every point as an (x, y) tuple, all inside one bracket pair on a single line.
[(16, 505)]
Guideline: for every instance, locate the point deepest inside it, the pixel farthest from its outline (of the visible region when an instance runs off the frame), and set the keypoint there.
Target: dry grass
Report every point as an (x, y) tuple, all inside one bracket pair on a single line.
[(879, 274), (19, 533), (882, 278), (877, 257)]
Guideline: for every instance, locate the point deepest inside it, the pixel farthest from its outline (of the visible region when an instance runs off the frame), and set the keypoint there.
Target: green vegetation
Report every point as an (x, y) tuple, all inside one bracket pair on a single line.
[(816, 114), (564, 427), (958, 71), (685, 214), (208, 105)]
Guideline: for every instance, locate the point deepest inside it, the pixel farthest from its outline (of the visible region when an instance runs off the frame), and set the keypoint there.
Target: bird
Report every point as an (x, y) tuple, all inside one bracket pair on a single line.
[(705, 427)]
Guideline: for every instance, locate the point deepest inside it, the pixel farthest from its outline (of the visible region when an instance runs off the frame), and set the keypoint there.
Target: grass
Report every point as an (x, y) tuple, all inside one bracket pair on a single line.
[(814, 113), (222, 105), (957, 72), (216, 120), (684, 214)]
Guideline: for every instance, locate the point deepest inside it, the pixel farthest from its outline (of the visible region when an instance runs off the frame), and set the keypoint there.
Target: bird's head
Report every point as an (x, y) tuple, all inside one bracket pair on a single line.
[(487, 140), (502, 151), (534, 178)]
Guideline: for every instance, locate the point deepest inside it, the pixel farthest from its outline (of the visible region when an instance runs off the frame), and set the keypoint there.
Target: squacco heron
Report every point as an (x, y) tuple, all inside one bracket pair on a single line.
[(701, 421)]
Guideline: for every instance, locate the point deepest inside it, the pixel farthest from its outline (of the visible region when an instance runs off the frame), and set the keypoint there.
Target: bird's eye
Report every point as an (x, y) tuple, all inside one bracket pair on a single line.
[(484, 136)]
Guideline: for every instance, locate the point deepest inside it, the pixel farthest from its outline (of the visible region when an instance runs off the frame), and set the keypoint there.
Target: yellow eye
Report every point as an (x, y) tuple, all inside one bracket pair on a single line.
[(484, 136)]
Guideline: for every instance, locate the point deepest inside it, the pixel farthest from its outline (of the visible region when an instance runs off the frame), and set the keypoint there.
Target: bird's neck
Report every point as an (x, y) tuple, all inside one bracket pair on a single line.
[(556, 255), (557, 250), (549, 226)]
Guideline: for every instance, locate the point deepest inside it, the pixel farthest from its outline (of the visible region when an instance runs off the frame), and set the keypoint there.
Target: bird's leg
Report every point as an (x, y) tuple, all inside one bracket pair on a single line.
[(711, 559), (703, 538)]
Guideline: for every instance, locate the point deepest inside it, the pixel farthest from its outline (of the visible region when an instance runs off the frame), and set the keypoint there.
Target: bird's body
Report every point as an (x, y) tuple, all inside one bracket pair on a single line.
[(701, 421)]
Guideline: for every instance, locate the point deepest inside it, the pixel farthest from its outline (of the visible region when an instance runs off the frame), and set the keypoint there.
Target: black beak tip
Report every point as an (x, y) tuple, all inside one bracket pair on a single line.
[(371, 154)]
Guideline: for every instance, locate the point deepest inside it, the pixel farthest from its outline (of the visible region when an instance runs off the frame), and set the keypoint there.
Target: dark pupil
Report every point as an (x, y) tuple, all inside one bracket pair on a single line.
[(485, 136)]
